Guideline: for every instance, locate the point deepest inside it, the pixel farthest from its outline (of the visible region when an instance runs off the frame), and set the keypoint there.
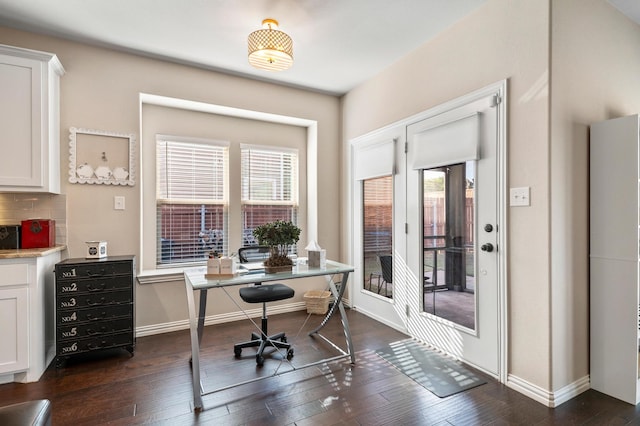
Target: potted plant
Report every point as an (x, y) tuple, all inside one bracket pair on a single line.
[(279, 236)]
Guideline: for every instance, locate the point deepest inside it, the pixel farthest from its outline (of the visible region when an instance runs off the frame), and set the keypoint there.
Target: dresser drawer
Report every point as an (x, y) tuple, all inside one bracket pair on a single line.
[(90, 300), (93, 329), (76, 346), (95, 285), (14, 274), (74, 316), (92, 270), (95, 309)]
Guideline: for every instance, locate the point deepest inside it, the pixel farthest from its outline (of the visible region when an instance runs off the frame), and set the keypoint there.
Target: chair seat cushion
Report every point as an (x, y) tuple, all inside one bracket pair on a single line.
[(26, 413), (266, 293)]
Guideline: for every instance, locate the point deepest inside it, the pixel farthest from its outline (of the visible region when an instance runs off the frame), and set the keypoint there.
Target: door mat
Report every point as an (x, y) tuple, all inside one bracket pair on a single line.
[(432, 370)]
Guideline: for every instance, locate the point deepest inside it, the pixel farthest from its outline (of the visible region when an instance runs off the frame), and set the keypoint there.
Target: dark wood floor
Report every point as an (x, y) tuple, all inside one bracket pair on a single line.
[(154, 387)]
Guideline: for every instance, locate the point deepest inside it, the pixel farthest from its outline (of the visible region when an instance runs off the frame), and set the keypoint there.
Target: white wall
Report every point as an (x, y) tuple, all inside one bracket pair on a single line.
[(585, 53), (502, 40), (100, 90), (595, 67)]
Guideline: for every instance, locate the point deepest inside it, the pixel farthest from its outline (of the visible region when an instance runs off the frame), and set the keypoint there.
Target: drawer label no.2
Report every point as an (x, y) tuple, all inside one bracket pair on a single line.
[(69, 288)]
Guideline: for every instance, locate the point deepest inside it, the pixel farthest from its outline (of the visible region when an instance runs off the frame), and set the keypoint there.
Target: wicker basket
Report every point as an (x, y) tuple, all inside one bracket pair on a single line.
[(317, 301)]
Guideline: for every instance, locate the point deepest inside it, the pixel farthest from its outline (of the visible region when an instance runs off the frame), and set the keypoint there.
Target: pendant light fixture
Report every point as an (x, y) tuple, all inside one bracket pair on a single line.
[(269, 48)]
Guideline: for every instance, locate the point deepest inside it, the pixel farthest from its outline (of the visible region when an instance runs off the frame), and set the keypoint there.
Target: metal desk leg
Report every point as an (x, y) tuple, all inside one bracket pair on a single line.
[(201, 314), (196, 334), (337, 294)]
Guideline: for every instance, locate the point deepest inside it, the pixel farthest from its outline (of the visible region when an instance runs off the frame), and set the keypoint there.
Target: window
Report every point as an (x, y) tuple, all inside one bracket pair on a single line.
[(191, 200), (377, 241), (269, 187)]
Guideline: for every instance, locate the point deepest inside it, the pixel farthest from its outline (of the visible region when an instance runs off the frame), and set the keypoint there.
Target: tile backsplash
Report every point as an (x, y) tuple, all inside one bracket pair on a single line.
[(16, 207)]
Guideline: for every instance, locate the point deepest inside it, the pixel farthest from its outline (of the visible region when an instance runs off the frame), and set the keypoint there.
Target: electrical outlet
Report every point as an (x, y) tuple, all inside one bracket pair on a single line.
[(520, 196), (118, 202)]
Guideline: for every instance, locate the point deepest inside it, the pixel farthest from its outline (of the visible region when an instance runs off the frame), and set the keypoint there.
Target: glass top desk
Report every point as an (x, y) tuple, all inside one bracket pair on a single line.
[(195, 280)]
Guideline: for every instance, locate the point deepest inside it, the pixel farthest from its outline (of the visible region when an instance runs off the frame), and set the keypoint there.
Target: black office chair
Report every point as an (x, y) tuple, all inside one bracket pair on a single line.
[(262, 294), (386, 264)]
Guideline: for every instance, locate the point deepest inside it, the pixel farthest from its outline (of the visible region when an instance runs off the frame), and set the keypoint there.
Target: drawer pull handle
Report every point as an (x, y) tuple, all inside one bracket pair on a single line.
[(91, 317), (100, 287), (102, 301), (95, 346), (92, 332)]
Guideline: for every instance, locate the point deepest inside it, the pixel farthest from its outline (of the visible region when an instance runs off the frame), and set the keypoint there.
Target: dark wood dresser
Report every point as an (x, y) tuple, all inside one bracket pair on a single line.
[(94, 305)]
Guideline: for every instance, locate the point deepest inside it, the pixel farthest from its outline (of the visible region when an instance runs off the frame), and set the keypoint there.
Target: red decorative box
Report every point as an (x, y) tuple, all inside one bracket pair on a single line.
[(38, 233)]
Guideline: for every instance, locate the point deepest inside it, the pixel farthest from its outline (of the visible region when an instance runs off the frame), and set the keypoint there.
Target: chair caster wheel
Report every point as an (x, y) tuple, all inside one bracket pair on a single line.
[(237, 352), (290, 353), (259, 360)]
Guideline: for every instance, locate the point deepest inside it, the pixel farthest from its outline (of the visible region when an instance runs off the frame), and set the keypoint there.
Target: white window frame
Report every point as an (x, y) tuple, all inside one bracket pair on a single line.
[(148, 275)]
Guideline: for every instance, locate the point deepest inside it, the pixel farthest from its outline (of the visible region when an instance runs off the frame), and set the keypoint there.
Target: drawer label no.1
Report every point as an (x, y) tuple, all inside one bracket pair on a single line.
[(70, 273)]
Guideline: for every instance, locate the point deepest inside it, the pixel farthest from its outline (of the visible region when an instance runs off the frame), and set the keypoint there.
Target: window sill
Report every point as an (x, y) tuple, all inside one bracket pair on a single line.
[(155, 276)]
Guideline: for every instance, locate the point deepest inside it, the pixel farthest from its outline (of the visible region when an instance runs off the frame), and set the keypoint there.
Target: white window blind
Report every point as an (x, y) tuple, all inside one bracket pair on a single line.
[(374, 160), (191, 200), (450, 143), (269, 187)]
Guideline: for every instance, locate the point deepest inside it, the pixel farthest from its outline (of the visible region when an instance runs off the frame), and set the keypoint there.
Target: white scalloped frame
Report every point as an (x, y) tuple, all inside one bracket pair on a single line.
[(73, 167)]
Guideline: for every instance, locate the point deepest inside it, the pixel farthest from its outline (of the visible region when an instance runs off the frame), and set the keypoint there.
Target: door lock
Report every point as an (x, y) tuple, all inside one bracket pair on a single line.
[(488, 227), (488, 247)]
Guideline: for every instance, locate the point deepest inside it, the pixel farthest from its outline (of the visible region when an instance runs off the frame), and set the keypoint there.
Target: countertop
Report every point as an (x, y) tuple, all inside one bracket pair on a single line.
[(34, 252)]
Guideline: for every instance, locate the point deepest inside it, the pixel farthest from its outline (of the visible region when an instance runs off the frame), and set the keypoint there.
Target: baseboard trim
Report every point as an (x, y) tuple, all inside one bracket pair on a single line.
[(401, 328), (543, 396), (168, 327)]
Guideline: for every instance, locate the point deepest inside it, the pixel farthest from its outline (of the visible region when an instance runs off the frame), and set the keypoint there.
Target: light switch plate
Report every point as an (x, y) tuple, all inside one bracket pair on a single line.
[(520, 196), (118, 202)]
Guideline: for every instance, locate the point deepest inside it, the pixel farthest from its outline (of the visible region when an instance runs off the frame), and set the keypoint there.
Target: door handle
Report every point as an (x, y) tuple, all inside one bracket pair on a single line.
[(488, 247)]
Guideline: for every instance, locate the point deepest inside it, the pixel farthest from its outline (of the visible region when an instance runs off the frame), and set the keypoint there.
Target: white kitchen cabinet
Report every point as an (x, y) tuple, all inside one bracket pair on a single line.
[(14, 317), (27, 313), (29, 120), (614, 258)]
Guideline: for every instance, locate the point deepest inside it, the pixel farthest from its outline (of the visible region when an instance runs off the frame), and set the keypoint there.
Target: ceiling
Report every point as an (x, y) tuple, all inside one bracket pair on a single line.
[(338, 44)]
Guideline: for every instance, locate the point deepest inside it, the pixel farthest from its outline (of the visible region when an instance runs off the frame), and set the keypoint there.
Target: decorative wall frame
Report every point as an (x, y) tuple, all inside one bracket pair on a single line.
[(99, 157)]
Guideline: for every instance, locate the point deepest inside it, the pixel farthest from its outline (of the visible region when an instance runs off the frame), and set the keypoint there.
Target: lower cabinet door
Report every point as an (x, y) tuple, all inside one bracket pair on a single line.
[(14, 329)]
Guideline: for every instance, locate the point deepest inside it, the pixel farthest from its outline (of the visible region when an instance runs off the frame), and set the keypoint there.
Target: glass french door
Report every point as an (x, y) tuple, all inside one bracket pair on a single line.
[(377, 238), (427, 200), (448, 243), (452, 238)]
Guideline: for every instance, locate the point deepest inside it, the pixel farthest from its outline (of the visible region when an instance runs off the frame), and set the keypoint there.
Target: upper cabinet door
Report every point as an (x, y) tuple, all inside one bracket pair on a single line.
[(29, 121)]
